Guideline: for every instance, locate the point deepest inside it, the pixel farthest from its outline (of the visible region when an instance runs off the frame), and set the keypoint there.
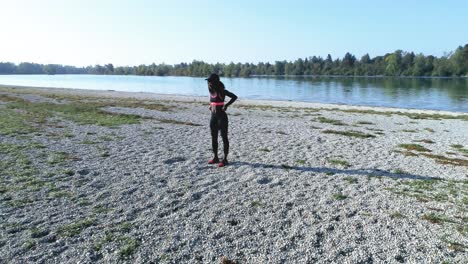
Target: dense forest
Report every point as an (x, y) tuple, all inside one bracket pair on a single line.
[(398, 63)]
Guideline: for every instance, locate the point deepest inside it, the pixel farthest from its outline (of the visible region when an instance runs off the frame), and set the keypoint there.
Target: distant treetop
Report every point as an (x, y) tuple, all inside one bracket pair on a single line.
[(398, 63)]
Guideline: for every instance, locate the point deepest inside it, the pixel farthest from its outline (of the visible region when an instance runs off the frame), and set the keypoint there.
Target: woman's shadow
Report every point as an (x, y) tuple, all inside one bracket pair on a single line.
[(363, 172)]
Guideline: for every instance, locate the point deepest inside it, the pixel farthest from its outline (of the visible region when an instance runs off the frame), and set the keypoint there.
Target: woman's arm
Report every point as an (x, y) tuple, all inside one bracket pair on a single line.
[(232, 96)]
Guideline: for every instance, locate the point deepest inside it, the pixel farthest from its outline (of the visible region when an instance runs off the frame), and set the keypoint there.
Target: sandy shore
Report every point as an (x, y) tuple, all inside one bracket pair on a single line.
[(307, 182)]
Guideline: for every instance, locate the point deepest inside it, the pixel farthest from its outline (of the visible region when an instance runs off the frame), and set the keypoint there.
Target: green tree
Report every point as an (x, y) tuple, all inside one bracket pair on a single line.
[(459, 61), (407, 63), (328, 64), (109, 68), (393, 64), (279, 67), (298, 67)]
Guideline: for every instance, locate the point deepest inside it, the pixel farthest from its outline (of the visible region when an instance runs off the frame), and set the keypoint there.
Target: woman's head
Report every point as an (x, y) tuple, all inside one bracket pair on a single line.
[(213, 78), (214, 84)]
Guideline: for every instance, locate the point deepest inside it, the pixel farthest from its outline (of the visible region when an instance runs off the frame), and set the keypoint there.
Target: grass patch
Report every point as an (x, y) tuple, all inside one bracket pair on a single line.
[(38, 233), (410, 115), (255, 204), (447, 193), (96, 100), (18, 172), (109, 237), (349, 133), (83, 113), (68, 135), (436, 218), (128, 246), (125, 227), (99, 209), (351, 180), (30, 244), (74, 229), (339, 196), (428, 141), (36, 145), (400, 171), (445, 160), (460, 148), (69, 172), (301, 161), (437, 158), (339, 162), (426, 185), (133, 103), (455, 246), (107, 138), (8, 98), (335, 122), (407, 153), (415, 147), (397, 215), (89, 142), (60, 194), (367, 214), (116, 234), (58, 157), (84, 202), (15, 123), (19, 203), (175, 122), (364, 123)]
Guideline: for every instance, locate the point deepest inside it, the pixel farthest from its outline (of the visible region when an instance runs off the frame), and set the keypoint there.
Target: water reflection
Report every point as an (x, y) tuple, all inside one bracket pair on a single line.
[(423, 93)]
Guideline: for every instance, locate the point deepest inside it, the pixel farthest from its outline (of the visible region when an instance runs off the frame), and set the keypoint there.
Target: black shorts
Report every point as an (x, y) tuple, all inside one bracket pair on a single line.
[(219, 121)]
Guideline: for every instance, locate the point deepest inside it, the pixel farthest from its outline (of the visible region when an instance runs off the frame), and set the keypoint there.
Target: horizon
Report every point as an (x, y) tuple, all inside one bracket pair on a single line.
[(132, 33)]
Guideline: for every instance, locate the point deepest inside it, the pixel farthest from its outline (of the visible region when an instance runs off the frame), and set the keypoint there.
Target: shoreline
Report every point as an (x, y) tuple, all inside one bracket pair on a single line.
[(259, 102), (266, 75)]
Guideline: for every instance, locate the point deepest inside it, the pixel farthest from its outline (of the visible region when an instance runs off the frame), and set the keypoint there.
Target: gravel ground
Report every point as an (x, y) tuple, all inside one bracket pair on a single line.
[(292, 193)]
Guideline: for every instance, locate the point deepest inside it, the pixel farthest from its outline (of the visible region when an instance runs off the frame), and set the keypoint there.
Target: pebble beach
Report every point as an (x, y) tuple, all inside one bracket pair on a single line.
[(117, 177)]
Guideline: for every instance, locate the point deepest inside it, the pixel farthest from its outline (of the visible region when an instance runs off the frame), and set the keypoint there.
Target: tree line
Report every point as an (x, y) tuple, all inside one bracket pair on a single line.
[(398, 63)]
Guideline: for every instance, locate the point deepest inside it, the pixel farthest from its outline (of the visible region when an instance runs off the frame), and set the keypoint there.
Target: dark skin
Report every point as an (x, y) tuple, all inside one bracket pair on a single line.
[(223, 108), (220, 109)]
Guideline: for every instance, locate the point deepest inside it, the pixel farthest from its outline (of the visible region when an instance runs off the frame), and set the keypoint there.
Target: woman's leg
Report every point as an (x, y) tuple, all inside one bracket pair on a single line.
[(224, 135), (214, 137)]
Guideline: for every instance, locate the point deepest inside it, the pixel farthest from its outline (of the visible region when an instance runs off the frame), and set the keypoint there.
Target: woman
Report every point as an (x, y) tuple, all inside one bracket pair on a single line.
[(219, 119)]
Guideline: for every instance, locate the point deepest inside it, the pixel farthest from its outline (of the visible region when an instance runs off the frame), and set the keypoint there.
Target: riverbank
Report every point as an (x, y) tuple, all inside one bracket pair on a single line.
[(416, 93), (107, 176)]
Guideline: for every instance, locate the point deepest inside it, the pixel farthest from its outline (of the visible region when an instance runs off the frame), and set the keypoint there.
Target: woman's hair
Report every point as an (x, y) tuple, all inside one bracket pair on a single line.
[(218, 87)]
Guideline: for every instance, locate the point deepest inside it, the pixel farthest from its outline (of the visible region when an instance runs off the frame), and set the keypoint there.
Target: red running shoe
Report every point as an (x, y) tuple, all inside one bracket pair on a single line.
[(213, 161), (223, 163)]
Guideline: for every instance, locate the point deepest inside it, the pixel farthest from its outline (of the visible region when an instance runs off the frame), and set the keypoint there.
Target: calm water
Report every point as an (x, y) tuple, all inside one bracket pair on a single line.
[(420, 93)]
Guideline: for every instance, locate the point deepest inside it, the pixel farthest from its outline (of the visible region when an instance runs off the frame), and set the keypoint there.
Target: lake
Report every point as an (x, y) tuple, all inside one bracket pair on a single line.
[(450, 94)]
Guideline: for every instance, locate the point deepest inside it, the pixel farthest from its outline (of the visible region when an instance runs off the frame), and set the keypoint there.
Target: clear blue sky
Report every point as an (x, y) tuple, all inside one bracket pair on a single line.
[(132, 32)]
